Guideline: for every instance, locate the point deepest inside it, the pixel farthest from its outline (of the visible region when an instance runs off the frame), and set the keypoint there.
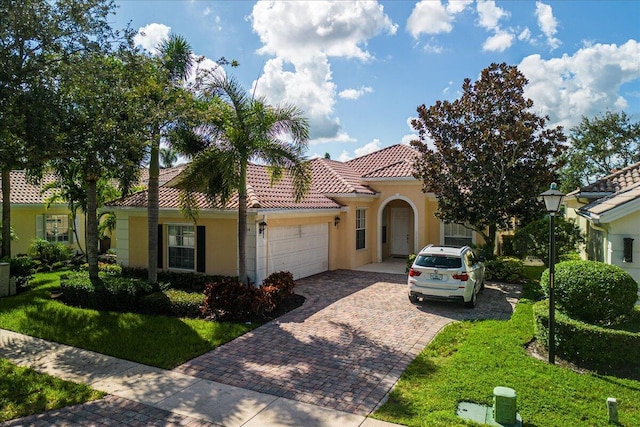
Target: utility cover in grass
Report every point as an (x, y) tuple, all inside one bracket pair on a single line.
[(482, 414)]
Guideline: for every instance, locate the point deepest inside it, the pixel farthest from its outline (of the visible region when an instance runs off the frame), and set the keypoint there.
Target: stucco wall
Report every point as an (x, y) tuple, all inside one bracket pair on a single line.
[(629, 226)]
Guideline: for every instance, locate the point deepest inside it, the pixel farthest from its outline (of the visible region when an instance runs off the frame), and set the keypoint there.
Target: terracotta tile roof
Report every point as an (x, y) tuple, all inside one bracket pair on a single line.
[(23, 192), (165, 175), (379, 163), (260, 194), (333, 177), (614, 182), (619, 198)]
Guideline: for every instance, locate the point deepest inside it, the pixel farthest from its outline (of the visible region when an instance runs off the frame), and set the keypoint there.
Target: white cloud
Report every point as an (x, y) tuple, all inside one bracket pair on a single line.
[(305, 35), (525, 35), (207, 11), (150, 36), (500, 41), (547, 23), (355, 93), (369, 148), (432, 48), (584, 84), (344, 156), (406, 140), (489, 15), (432, 17)]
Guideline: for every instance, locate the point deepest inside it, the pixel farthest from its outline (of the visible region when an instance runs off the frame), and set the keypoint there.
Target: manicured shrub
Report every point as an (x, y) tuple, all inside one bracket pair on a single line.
[(105, 267), (590, 346), (278, 286), (592, 291), (410, 259), (113, 293), (173, 302), (191, 282), (505, 269), (50, 253), (533, 239)]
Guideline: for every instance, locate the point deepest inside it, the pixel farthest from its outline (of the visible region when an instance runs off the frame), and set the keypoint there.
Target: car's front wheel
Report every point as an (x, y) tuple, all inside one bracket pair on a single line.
[(472, 302)]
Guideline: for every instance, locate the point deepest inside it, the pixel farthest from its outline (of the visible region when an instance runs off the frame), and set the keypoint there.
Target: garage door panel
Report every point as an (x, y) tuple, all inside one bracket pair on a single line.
[(303, 249)]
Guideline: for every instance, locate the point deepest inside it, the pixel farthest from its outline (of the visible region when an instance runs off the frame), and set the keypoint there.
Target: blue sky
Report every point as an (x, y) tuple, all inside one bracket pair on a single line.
[(359, 70)]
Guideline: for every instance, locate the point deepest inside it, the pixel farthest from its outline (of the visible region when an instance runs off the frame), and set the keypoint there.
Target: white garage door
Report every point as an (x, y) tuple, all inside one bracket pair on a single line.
[(301, 249)]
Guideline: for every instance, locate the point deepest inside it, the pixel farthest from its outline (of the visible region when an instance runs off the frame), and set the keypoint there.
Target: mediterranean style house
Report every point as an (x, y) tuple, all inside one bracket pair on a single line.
[(357, 212), (608, 212)]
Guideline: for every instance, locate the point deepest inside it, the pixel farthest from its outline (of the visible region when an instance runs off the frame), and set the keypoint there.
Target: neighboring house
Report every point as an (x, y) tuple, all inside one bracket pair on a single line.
[(608, 212), (31, 219), (358, 212)]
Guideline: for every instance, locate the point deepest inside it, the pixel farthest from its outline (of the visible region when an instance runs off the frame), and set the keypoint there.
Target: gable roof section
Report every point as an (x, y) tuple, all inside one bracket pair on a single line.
[(260, 195), (333, 177), (614, 206), (395, 161), (614, 182), (25, 193)]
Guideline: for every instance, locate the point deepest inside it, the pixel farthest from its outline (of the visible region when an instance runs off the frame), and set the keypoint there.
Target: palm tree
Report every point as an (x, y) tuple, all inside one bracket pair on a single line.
[(168, 157), (173, 65), (245, 129)]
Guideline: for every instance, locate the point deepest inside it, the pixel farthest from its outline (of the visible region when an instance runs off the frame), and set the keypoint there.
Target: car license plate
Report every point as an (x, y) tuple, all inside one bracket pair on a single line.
[(435, 276)]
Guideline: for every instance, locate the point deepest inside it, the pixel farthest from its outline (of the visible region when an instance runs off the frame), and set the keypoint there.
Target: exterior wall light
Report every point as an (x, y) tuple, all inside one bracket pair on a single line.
[(336, 221), (261, 226)]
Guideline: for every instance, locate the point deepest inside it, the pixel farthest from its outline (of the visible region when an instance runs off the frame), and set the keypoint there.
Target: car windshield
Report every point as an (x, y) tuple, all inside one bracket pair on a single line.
[(440, 261)]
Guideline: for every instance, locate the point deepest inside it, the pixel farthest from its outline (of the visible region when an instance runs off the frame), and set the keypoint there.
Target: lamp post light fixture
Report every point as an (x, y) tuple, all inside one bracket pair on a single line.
[(552, 200)]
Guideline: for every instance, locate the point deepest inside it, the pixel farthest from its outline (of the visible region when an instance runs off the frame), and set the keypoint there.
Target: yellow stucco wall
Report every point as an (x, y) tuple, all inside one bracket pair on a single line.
[(23, 221), (221, 248)]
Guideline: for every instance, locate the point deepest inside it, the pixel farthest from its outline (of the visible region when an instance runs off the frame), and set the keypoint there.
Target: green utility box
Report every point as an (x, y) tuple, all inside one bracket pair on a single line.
[(504, 405)]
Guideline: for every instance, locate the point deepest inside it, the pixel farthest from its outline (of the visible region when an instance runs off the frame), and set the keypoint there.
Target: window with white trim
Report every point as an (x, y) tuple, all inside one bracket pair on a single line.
[(457, 234), (361, 228), (181, 244), (56, 228)]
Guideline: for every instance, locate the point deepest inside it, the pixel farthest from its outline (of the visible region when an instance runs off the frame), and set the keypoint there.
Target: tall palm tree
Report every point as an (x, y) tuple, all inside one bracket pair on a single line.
[(244, 129), (168, 157), (172, 66)]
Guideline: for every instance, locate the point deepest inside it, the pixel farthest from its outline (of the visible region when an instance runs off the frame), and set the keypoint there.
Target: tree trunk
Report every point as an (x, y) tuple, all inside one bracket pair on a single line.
[(92, 230), (6, 213), (242, 224), (152, 211), (491, 241)]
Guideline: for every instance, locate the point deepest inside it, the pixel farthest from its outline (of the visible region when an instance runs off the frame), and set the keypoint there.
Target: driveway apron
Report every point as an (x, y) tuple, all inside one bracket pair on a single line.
[(346, 347)]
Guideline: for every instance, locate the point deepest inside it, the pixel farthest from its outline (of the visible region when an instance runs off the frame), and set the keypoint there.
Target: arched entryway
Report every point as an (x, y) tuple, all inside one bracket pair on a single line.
[(398, 234)]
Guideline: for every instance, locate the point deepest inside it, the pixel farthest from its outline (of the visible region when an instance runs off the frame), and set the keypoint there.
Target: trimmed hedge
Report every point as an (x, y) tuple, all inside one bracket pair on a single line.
[(22, 269), (114, 293), (505, 269), (589, 346), (190, 282), (592, 291), (173, 302)]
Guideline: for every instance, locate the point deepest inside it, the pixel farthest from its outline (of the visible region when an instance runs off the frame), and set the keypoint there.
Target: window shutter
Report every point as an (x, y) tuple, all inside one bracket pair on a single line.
[(160, 246), (200, 249), (39, 226)]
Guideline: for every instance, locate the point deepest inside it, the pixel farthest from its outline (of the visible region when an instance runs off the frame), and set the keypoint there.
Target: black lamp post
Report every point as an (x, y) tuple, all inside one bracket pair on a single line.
[(552, 200)]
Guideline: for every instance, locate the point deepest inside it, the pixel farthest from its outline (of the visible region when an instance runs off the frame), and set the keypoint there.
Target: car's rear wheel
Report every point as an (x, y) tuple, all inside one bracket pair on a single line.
[(413, 299), (472, 302), (482, 285)]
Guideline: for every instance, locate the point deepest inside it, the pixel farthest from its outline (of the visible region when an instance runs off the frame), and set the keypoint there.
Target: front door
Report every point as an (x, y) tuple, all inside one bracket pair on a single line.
[(400, 221)]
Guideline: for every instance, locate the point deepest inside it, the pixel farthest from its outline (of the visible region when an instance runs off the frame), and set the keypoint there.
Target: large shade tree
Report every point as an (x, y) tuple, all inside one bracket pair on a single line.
[(487, 155), (36, 37), (100, 130), (241, 129), (599, 146)]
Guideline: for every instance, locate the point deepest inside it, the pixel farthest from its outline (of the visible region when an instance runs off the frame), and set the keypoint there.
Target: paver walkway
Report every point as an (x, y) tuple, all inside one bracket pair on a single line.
[(347, 345)]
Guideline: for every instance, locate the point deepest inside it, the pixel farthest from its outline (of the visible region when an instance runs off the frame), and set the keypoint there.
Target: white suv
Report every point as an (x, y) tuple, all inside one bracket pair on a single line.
[(446, 273)]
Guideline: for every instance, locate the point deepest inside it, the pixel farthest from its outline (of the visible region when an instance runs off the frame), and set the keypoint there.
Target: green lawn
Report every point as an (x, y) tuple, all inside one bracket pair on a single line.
[(159, 341), (23, 392), (468, 359)]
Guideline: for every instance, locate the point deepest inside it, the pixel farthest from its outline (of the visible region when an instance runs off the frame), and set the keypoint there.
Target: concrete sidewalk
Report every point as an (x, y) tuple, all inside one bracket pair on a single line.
[(144, 395)]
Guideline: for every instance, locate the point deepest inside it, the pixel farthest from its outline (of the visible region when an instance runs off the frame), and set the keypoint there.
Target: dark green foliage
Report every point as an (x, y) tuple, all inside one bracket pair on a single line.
[(113, 292), (533, 239), (505, 269), (190, 282), (231, 300), (173, 302), (105, 267), (590, 346), (487, 154), (592, 291), (410, 259), (22, 269), (50, 253)]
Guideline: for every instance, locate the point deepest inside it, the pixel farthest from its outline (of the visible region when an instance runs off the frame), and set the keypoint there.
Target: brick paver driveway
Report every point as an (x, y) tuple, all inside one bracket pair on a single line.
[(347, 345)]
